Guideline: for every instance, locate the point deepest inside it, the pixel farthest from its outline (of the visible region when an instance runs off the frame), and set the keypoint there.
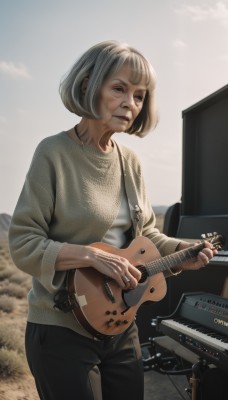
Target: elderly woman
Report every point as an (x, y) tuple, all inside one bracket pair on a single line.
[(82, 187)]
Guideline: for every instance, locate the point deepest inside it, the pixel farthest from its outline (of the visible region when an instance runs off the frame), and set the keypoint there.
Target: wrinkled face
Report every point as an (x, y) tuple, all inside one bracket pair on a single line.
[(120, 100)]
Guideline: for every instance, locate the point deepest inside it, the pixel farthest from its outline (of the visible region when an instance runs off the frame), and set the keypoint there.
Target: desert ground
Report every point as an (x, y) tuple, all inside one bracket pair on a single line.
[(15, 384)]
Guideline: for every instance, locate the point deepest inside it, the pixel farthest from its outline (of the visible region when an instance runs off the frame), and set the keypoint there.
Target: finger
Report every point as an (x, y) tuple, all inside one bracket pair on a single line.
[(121, 279), (126, 280), (121, 270), (210, 246), (210, 252), (129, 280), (135, 272), (130, 271), (133, 282), (203, 258)]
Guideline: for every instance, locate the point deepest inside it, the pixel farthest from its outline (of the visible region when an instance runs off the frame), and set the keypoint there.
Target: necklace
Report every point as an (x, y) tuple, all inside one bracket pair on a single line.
[(76, 133)]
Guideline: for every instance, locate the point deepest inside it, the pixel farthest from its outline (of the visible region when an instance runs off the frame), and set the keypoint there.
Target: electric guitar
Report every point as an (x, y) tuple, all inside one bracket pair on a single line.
[(102, 307)]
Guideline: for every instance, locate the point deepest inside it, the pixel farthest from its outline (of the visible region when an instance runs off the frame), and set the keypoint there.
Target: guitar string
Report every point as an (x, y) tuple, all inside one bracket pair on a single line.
[(164, 263)]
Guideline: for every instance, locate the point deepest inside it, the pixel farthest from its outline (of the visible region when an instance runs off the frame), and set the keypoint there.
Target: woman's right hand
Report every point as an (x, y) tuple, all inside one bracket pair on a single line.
[(112, 265)]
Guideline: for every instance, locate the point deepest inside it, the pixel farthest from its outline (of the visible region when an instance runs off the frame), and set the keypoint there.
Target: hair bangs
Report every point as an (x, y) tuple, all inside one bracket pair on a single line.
[(140, 70), (140, 67)]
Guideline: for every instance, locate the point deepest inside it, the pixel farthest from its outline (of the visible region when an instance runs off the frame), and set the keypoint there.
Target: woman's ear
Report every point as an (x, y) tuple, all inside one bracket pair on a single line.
[(84, 85)]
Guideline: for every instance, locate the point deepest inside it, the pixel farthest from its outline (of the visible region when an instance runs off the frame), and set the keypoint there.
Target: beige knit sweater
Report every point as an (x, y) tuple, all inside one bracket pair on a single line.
[(72, 194)]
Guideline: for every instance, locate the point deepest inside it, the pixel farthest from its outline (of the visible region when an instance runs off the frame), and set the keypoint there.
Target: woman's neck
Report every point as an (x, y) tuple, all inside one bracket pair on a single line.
[(91, 132)]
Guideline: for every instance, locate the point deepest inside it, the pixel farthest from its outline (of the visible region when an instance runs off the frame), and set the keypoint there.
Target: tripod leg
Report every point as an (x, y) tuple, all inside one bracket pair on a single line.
[(194, 385), (197, 370)]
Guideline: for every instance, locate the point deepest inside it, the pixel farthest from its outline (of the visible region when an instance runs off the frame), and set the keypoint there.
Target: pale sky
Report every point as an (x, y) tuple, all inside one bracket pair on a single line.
[(186, 42)]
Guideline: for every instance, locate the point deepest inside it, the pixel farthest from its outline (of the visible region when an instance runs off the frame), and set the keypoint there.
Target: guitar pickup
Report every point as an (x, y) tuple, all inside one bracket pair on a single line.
[(109, 291)]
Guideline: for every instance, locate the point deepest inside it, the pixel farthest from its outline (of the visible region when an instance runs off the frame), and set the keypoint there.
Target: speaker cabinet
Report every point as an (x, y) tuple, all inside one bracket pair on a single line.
[(205, 156), (204, 205)]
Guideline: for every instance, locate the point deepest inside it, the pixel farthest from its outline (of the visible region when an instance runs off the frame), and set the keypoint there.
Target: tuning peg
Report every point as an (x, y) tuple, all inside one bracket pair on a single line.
[(206, 236)]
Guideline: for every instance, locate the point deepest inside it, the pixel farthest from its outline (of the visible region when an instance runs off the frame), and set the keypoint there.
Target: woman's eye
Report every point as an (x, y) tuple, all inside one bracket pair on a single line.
[(139, 97), (118, 89)]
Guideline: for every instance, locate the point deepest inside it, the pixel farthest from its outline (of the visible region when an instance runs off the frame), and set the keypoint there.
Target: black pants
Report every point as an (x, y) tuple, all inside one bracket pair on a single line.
[(68, 366)]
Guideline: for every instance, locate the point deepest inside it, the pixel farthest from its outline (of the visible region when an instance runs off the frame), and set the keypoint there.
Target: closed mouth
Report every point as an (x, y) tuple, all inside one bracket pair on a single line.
[(123, 117)]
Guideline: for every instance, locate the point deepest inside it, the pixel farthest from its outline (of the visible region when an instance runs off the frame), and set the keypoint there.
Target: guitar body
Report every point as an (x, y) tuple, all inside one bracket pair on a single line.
[(103, 307)]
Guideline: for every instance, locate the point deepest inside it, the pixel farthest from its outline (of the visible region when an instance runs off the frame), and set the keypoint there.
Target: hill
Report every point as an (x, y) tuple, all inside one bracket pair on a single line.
[(160, 209)]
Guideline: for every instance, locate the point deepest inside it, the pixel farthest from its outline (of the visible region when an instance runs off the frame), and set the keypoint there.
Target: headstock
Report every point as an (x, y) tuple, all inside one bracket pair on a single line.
[(214, 238)]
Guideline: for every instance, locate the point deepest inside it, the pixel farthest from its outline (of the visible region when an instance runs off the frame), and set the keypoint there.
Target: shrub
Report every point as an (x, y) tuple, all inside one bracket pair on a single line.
[(22, 279), (5, 273), (12, 364), (9, 272), (7, 304), (6, 268), (13, 284), (11, 339), (13, 290), (4, 250)]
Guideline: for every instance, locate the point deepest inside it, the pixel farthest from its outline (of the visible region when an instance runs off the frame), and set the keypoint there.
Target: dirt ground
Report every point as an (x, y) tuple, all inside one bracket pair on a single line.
[(23, 389)]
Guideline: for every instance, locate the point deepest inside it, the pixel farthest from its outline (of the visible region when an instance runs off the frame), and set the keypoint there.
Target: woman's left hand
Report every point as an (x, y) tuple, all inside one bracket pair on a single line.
[(202, 258)]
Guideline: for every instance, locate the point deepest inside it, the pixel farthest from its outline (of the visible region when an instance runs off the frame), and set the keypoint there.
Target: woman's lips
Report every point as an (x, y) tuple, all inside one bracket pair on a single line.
[(122, 117)]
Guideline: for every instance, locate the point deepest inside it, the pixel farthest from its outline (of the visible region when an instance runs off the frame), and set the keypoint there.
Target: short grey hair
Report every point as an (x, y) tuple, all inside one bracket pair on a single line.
[(96, 65)]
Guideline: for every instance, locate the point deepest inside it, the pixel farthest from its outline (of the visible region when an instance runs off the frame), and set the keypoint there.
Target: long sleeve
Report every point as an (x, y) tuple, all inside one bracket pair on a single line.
[(66, 198), (31, 247)]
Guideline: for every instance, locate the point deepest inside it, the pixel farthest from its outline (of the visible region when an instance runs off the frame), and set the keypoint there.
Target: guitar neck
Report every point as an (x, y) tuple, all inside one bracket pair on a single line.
[(165, 263)]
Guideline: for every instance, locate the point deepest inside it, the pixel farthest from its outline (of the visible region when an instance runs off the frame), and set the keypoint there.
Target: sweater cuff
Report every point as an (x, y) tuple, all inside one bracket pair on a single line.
[(50, 278)]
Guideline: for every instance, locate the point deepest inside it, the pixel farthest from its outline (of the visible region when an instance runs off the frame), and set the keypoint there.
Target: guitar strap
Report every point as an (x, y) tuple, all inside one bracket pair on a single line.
[(133, 202)]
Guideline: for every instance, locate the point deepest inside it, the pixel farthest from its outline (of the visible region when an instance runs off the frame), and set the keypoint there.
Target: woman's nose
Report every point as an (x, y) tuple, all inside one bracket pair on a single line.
[(128, 100)]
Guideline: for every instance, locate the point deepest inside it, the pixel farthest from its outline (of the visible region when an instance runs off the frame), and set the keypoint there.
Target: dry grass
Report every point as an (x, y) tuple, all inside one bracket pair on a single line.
[(4, 251), (7, 303), (6, 265), (11, 339), (12, 365), (12, 289), (14, 285)]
